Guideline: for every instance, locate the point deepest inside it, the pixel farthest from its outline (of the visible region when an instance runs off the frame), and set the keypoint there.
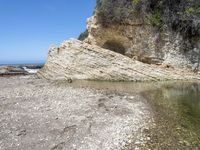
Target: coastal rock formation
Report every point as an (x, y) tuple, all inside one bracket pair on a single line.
[(152, 31), (9, 71), (78, 60), (19, 69), (132, 40)]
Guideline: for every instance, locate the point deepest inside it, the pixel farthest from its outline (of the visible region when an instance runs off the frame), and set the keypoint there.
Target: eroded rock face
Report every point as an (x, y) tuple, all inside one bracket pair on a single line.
[(78, 60), (150, 31)]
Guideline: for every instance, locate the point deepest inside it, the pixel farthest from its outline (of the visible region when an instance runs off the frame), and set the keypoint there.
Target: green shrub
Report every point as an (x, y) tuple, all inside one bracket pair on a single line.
[(83, 36), (190, 10), (156, 18), (136, 1)]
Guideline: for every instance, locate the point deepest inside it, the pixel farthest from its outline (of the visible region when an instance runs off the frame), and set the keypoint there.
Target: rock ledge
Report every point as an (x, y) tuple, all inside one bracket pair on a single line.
[(78, 60)]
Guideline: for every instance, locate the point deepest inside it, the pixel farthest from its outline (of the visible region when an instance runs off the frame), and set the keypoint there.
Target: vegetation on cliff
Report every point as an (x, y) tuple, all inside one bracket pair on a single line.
[(83, 35), (174, 23), (181, 15)]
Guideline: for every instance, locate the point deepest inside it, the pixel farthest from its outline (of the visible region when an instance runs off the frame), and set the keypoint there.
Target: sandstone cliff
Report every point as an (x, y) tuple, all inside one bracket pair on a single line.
[(152, 31)]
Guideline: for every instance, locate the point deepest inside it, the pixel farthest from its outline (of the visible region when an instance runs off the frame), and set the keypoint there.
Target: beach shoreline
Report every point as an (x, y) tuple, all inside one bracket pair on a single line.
[(40, 114)]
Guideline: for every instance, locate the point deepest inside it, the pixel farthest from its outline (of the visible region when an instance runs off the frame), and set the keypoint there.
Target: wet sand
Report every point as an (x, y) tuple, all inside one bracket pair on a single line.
[(37, 114)]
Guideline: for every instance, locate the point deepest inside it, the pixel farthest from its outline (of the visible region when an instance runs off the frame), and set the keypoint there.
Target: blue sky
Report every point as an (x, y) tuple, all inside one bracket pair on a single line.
[(29, 27)]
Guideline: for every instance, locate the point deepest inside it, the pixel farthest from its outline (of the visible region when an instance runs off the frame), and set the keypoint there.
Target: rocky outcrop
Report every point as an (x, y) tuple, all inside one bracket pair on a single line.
[(163, 32), (10, 71), (78, 60), (132, 40), (24, 69)]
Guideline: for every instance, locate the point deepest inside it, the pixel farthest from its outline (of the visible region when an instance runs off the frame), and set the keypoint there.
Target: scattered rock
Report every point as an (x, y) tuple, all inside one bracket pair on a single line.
[(21, 132), (59, 146), (69, 80)]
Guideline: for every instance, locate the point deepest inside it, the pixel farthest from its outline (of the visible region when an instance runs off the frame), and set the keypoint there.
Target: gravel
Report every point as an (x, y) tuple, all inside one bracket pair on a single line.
[(37, 114)]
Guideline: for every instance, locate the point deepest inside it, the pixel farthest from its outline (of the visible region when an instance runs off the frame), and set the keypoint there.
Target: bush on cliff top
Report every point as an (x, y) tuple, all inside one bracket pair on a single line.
[(83, 35)]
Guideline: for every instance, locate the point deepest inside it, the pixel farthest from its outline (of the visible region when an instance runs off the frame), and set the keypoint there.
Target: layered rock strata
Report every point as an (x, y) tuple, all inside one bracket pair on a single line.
[(78, 60)]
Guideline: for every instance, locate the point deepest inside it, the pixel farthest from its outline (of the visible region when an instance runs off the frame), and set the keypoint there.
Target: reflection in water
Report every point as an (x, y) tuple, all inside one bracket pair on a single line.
[(176, 106), (177, 109)]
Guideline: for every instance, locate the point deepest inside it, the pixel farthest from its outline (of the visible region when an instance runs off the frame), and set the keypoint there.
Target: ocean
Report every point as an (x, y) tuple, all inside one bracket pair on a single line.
[(21, 63)]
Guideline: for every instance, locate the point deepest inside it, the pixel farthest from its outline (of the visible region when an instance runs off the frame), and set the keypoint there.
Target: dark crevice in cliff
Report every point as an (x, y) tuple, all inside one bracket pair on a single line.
[(114, 46)]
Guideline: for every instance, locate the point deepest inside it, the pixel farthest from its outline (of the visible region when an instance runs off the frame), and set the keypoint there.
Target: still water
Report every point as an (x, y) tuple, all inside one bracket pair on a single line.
[(176, 108), (177, 113)]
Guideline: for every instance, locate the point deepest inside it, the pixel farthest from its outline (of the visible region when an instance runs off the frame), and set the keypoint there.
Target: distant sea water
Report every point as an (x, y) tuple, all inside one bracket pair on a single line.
[(21, 63)]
